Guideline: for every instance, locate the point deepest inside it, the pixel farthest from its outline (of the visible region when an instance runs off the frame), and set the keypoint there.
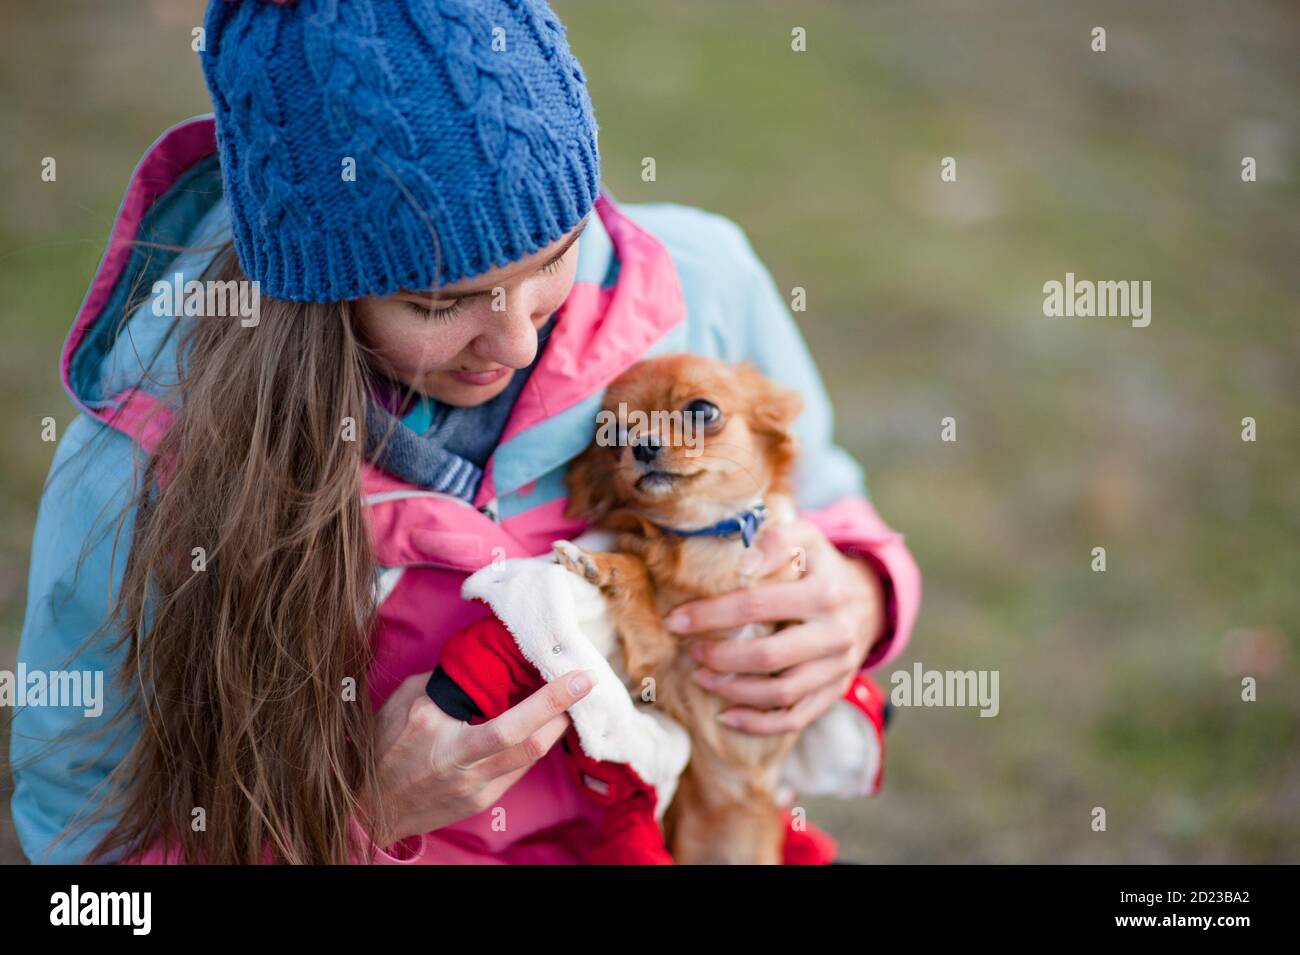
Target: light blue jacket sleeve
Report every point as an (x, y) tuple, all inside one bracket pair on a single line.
[(771, 340), (60, 754)]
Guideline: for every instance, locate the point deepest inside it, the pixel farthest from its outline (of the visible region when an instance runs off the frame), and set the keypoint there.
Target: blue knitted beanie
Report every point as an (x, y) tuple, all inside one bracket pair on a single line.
[(373, 145)]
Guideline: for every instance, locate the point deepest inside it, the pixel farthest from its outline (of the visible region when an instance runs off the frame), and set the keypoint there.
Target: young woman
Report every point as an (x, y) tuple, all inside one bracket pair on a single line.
[(259, 522)]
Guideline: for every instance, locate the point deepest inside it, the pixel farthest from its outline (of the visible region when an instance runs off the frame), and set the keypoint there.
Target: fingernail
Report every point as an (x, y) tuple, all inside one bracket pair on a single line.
[(678, 620), (697, 652), (703, 678), (727, 719), (580, 683)]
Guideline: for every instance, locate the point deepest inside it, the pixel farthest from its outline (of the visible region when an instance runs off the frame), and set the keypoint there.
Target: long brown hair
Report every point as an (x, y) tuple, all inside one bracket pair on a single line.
[(246, 662)]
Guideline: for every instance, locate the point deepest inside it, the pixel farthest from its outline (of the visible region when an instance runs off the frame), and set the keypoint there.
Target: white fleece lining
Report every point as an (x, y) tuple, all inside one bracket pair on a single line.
[(838, 754), (560, 623), (559, 620)]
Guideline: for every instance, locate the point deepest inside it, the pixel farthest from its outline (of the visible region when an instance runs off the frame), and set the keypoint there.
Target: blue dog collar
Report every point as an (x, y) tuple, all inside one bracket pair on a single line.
[(746, 524)]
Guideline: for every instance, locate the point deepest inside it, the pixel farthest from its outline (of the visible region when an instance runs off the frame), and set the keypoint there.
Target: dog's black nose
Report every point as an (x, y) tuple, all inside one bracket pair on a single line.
[(646, 450)]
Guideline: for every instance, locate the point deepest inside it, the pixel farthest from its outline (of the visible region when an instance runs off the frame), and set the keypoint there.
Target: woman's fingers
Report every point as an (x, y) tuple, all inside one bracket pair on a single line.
[(772, 692), (781, 543), (774, 653), (762, 603), (493, 791), (772, 602), (776, 722), (522, 755), (523, 720)]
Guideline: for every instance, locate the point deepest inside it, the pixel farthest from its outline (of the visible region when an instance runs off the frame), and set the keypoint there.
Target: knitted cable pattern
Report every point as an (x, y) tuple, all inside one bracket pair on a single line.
[(467, 156)]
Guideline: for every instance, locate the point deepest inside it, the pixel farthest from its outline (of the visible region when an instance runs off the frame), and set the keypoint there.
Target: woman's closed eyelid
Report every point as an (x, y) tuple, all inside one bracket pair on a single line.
[(433, 306), (434, 312)]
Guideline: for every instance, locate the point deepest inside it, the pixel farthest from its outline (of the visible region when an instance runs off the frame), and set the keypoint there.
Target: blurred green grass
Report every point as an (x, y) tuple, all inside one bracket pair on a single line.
[(1119, 690)]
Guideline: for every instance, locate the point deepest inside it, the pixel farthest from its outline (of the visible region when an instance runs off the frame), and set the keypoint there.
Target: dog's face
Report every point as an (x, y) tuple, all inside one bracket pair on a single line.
[(686, 441)]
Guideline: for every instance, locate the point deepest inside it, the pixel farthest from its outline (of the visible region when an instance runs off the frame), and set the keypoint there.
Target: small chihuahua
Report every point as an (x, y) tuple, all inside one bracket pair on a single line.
[(688, 489)]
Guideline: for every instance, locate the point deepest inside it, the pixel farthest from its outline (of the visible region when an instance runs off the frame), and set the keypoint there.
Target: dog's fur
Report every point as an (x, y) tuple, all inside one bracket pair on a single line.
[(726, 810)]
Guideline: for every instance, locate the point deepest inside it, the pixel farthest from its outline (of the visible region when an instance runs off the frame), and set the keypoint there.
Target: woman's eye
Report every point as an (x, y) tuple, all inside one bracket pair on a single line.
[(424, 311), (706, 412), (553, 266)]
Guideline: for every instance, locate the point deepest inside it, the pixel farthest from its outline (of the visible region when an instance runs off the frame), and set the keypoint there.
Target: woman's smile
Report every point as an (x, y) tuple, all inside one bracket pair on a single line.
[(481, 378)]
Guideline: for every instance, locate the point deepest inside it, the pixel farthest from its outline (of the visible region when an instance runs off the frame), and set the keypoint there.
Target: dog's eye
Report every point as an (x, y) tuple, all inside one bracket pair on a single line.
[(708, 412)]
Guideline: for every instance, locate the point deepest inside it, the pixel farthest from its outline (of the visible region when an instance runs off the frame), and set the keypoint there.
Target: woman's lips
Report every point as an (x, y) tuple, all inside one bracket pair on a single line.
[(479, 378)]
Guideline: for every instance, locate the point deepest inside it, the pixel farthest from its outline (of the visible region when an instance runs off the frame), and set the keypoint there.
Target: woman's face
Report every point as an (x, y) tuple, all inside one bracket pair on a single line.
[(462, 343)]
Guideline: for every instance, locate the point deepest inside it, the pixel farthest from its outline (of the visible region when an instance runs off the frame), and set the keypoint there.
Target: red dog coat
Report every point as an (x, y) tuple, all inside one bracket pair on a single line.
[(482, 672)]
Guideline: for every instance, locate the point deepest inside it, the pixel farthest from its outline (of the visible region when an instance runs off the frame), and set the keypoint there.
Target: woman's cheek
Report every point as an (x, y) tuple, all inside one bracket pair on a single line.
[(423, 347)]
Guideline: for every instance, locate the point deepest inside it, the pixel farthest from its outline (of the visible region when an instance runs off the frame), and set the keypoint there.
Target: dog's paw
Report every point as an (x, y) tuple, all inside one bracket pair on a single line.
[(575, 559)]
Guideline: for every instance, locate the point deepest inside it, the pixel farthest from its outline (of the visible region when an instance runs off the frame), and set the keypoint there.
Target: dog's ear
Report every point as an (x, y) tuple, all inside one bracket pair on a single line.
[(590, 481), (772, 412)]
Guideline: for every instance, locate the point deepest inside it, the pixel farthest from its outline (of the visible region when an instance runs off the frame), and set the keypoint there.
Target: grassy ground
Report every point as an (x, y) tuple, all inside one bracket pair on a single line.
[(1119, 690)]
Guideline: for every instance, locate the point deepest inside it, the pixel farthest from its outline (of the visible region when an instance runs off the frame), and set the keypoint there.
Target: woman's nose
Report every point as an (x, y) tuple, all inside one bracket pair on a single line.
[(508, 338)]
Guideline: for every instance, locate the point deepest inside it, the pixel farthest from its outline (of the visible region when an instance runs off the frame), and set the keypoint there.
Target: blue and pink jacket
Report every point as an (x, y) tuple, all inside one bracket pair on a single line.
[(652, 279)]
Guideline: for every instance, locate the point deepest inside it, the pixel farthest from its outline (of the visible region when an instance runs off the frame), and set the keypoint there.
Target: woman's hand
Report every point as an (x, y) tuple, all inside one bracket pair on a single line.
[(783, 682), (435, 770)]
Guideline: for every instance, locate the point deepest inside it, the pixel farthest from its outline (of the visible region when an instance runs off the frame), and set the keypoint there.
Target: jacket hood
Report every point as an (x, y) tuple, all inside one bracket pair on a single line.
[(175, 189)]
